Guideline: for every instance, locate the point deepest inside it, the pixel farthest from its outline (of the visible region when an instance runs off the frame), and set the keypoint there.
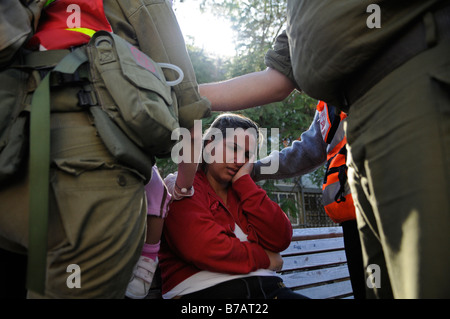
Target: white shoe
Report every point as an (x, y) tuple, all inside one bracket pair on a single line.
[(140, 282)]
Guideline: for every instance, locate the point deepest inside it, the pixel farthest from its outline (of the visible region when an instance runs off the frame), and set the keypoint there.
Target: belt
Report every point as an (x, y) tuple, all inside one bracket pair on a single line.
[(434, 27), (45, 59)]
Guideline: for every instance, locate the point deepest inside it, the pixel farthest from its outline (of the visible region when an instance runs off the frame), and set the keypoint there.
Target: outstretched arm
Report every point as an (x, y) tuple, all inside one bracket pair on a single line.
[(302, 157), (249, 90)]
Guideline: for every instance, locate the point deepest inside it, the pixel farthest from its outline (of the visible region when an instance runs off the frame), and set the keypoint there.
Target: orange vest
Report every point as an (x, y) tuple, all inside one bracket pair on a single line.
[(337, 198), (68, 23)]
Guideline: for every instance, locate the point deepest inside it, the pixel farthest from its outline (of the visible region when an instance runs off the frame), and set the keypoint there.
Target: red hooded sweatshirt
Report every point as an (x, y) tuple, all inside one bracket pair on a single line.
[(199, 232)]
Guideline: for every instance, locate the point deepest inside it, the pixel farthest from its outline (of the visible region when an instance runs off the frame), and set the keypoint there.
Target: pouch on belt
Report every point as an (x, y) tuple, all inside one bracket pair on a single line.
[(132, 90)]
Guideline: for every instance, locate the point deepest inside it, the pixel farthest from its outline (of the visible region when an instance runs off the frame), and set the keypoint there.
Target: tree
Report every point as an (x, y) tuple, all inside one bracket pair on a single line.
[(256, 23)]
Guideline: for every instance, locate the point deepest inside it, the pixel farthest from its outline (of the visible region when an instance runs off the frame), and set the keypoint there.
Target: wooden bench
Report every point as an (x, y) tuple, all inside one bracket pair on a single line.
[(314, 265)]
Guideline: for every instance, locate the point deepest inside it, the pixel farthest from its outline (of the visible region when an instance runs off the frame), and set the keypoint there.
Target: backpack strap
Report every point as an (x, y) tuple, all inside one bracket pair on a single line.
[(40, 170)]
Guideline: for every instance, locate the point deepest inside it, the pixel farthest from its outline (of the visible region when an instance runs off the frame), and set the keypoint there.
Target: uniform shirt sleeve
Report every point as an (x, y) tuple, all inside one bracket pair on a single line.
[(279, 58)]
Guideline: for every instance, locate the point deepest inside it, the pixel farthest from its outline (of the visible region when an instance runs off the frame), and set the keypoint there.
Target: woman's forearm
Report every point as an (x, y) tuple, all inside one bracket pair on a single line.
[(253, 89)]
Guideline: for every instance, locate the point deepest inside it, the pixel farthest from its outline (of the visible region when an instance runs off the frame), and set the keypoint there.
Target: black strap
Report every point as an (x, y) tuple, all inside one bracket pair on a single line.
[(342, 174), (335, 120), (340, 195)]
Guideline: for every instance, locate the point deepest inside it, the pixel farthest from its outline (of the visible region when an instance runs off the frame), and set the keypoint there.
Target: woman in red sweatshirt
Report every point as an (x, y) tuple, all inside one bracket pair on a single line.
[(224, 241)]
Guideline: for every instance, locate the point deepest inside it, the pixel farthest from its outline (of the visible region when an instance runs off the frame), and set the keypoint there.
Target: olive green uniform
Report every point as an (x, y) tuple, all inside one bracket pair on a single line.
[(394, 82), (98, 208)]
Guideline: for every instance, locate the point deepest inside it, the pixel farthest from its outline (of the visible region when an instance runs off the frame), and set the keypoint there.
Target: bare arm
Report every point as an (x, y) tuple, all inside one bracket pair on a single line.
[(187, 170), (253, 89)]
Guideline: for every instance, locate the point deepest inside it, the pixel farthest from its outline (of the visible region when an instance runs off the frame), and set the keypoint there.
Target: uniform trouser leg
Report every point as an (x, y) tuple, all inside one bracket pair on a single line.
[(96, 220), (399, 137), (372, 250), (103, 217)]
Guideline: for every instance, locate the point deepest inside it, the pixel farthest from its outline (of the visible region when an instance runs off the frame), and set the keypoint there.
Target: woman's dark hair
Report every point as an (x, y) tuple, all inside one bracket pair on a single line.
[(229, 121)]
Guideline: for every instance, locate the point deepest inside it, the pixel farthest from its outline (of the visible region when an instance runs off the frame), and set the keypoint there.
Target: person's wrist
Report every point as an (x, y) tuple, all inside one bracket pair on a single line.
[(180, 192)]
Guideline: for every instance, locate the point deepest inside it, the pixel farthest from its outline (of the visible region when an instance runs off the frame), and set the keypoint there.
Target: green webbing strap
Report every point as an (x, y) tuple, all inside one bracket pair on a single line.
[(39, 172)]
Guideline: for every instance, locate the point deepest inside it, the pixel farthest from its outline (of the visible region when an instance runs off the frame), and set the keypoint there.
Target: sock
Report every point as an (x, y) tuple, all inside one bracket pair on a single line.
[(151, 250)]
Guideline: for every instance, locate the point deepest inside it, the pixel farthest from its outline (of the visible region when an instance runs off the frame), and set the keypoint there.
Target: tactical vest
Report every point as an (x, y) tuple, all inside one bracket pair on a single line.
[(337, 198), (76, 27)]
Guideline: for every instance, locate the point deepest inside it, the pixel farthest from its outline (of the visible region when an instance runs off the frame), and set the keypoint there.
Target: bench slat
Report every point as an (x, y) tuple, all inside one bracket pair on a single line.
[(335, 290), (318, 245), (314, 260), (314, 277), (316, 233)]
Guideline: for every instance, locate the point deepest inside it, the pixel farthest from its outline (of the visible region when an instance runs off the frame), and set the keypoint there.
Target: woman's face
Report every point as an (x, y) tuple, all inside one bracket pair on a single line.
[(226, 156)]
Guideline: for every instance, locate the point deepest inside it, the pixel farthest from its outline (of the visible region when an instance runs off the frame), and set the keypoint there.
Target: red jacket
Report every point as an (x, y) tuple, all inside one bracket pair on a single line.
[(198, 232)]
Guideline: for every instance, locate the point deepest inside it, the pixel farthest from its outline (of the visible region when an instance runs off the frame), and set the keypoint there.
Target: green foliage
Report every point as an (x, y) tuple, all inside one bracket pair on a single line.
[(256, 24), (288, 204), (207, 68)]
